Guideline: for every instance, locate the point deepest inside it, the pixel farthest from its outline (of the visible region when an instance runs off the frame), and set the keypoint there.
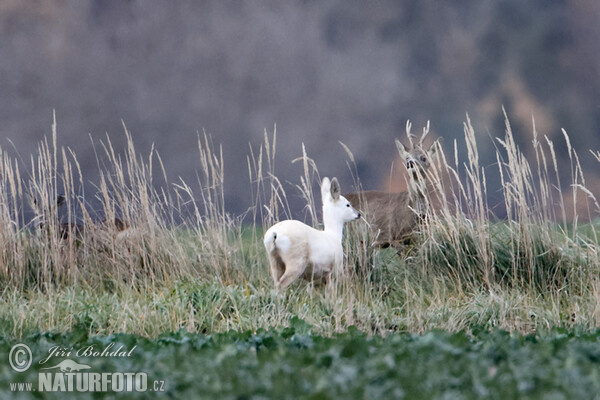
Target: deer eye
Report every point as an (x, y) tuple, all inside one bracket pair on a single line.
[(423, 159), (348, 205)]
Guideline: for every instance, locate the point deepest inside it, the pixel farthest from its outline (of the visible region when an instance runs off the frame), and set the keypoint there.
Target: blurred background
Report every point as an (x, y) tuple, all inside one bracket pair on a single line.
[(322, 71)]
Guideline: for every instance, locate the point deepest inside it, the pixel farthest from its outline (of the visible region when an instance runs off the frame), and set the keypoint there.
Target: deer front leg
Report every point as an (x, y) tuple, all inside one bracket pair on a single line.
[(336, 276)]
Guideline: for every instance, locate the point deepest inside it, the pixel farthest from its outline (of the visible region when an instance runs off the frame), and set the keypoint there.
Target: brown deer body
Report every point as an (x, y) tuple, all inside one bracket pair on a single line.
[(75, 230), (78, 230), (387, 214), (393, 217)]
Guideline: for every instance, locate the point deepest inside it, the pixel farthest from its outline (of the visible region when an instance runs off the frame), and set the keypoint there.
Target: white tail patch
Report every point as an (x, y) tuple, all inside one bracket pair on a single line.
[(280, 242)]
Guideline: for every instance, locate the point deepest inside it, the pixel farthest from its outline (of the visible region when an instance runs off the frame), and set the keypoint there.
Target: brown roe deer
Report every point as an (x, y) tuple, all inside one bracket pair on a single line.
[(66, 229), (393, 217)]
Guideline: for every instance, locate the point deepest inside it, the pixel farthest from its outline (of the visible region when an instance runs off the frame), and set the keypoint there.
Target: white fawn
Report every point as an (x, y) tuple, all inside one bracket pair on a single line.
[(297, 250), (394, 216)]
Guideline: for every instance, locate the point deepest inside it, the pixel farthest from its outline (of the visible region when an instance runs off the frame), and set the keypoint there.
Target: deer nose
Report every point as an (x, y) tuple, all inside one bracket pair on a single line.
[(410, 164)]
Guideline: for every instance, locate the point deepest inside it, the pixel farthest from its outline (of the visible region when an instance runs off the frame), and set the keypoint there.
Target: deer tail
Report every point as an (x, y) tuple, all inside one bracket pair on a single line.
[(269, 241), (274, 241)]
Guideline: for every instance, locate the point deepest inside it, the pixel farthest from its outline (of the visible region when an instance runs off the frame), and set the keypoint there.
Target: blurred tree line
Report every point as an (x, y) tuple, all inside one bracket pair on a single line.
[(323, 72)]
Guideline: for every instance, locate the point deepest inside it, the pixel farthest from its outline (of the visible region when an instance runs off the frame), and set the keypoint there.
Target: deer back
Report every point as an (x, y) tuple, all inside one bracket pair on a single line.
[(389, 215)]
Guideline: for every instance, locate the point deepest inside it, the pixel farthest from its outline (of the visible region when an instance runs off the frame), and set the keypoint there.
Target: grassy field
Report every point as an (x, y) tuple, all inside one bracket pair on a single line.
[(184, 265)]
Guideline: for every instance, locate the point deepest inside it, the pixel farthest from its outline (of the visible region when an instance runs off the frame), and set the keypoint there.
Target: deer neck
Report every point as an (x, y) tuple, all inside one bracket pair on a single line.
[(418, 196), (333, 227)]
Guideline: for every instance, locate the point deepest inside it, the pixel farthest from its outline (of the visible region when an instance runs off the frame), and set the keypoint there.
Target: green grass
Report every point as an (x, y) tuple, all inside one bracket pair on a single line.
[(391, 297), (185, 263), (473, 307)]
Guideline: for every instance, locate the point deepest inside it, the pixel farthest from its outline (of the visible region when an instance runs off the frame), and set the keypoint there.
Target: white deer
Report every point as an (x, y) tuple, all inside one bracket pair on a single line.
[(297, 250)]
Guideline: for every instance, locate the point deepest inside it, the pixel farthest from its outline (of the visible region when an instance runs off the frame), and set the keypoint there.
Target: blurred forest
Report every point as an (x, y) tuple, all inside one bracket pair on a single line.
[(322, 71)]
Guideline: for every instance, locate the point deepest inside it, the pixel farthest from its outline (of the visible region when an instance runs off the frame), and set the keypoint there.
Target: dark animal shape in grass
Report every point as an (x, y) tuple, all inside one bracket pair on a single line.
[(67, 229)]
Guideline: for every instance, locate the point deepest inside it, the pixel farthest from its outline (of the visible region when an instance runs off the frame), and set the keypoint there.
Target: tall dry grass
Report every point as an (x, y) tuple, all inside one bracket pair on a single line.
[(77, 244), (185, 262), (535, 248)]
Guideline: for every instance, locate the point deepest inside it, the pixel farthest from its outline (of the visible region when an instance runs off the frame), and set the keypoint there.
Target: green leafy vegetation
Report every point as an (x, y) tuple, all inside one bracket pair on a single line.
[(291, 362)]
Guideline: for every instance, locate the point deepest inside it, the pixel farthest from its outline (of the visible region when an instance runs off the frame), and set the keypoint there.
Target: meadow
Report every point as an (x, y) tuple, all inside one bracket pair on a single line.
[(187, 277)]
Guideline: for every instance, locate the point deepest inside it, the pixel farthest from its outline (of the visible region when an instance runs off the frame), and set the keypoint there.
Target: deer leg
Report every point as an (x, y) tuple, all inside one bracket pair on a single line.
[(277, 267), (292, 273), (337, 276)]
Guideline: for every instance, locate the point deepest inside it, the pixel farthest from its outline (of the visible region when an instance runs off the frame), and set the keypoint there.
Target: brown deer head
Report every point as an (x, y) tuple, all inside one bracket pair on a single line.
[(417, 159)]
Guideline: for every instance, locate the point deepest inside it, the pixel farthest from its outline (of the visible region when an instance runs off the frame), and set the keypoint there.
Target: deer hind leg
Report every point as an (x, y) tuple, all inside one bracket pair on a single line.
[(277, 267), (292, 272)]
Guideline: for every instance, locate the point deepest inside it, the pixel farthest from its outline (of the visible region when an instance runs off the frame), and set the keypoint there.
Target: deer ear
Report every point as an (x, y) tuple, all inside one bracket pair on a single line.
[(401, 149), (335, 189), (433, 150), (325, 187)]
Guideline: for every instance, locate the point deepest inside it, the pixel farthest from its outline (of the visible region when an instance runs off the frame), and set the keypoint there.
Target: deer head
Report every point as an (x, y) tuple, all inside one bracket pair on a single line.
[(337, 210), (417, 159)]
